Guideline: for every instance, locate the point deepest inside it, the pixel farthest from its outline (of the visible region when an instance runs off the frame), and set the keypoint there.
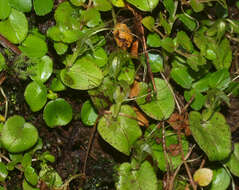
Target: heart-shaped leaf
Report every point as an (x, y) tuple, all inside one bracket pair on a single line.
[(159, 106), (233, 162), (42, 69), (57, 112), (212, 135), (18, 135), (144, 5), (122, 132), (133, 178), (15, 28), (35, 95), (83, 75)]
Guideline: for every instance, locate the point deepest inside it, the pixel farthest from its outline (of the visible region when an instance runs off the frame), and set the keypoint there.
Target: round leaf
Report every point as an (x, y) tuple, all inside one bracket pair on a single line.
[(43, 7), (56, 85), (203, 176), (5, 9), (102, 5), (233, 162), (88, 114), (15, 28), (57, 112), (42, 70), (144, 5), (83, 75), (160, 106), (35, 95), (60, 48), (122, 132), (213, 135), (221, 179), (21, 5), (34, 46), (148, 22), (78, 2), (18, 135), (91, 17)]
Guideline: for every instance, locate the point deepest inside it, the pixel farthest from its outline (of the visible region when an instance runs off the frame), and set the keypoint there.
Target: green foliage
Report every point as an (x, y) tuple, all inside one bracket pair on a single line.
[(57, 113), (144, 5), (88, 113), (43, 7), (17, 135), (5, 9)]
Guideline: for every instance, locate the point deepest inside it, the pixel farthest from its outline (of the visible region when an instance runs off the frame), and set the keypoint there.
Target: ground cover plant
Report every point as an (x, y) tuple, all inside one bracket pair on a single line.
[(119, 94)]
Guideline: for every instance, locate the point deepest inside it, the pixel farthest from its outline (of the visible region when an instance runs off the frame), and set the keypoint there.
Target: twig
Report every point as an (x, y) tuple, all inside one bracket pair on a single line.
[(6, 102), (66, 184), (165, 155), (178, 168), (188, 104), (7, 44), (171, 89), (184, 161), (141, 28), (90, 143)]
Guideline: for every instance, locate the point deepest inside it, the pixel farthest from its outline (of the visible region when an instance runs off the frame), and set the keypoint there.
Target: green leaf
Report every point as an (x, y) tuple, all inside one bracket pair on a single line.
[(132, 178), (153, 40), (78, 2), (127, 73), (170, 7), (3, 172), (43, 7), (168, 44), (56, 85), (83, 75), (42, 69), (2, 63), (196, 60), (202, 85), (27, 186), (122, 132), (187, 21), (18, 135), (35, 95), (161, 105), (50, 176), (212, 135), (15, 28), (21, 5), (148, 22), (144, 5), (118, 3), (233, 162), (91, 17), (99, 57), (181, 76), (221, 179), (156, 62), (26, 160), (88, 113), (60, 48), (224, 55), (57, 112), (5, 9), (196, 5), (184, 41), (220, 79), (199, 99), (170, 140), (30, 175), (34, 46), (102, 5)]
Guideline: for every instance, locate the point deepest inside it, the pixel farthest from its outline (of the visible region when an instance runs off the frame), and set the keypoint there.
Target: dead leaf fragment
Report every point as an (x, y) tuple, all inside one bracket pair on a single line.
[(134, 49), (134, 91), (122, 36), (203, 176), (142, 120)]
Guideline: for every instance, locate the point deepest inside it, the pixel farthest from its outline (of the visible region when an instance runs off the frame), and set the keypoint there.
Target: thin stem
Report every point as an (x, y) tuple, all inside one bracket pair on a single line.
[(7, 44), (6, 102)]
